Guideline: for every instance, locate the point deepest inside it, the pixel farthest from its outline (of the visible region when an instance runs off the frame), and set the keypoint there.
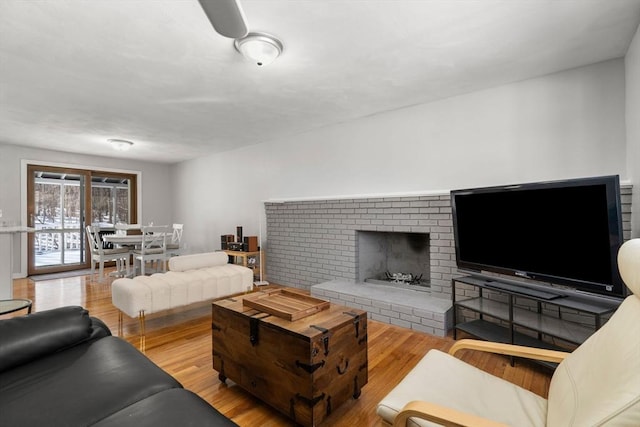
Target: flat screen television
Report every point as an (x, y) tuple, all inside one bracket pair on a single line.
[(560, 232)]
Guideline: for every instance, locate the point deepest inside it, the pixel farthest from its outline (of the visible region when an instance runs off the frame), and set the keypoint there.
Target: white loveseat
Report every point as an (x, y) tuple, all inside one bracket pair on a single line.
[(190, 279)]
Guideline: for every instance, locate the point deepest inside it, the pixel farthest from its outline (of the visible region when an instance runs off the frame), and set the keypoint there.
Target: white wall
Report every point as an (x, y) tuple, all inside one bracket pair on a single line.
[(215, 194), (156, 201), (632, 68), (564, 125)]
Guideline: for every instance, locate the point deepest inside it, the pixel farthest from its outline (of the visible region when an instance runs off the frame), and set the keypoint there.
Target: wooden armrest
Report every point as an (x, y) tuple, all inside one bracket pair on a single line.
[(509, 350), (441, 415)]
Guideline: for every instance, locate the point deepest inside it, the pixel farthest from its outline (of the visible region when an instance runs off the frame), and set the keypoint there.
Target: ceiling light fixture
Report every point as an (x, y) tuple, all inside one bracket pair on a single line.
[(120, 144), (260, 48)]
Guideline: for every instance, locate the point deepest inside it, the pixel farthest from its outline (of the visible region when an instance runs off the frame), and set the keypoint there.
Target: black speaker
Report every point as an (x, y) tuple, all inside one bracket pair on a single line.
[(224, 241), (236, 246), (251, 243)]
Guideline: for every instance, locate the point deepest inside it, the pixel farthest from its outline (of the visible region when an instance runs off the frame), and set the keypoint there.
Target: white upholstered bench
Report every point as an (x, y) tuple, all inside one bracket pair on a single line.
[(190, 279)]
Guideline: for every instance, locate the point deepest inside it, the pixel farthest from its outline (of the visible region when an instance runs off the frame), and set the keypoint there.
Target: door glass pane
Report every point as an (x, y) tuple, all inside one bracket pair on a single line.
[(47, 248), (72, 250), (110, 201), (101, 207), (47, 209), (58, 219), (122, 204)]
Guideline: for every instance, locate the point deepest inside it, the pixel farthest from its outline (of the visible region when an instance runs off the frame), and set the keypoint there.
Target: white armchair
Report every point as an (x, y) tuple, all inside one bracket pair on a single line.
[(597, 384)]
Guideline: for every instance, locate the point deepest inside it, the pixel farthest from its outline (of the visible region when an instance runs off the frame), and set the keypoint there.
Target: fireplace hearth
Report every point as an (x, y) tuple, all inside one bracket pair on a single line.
[(395, 305)]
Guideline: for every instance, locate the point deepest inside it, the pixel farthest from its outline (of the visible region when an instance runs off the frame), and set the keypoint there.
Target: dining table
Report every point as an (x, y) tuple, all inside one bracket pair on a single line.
[(128, 239)]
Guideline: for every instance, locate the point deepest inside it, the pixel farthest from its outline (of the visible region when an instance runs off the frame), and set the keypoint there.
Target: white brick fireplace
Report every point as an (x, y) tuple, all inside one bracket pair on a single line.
[(310, 242), (327, 246)]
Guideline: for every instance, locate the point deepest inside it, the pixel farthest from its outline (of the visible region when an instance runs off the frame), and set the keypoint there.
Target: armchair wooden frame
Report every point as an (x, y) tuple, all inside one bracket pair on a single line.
[(452, 418)]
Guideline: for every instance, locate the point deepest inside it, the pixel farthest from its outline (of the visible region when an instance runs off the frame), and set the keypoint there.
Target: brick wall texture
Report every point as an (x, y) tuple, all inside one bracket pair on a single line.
[(311, 242)]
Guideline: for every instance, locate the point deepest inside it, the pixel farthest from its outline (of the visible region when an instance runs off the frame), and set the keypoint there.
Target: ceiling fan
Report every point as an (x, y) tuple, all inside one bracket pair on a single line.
[(226, 16), (228, 20)]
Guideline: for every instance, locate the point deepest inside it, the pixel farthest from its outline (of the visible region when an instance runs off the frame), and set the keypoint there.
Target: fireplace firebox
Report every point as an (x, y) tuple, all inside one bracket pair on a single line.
[(394, 258)]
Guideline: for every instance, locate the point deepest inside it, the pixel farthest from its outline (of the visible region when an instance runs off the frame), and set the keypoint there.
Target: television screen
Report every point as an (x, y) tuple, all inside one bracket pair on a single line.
[(565, 232)]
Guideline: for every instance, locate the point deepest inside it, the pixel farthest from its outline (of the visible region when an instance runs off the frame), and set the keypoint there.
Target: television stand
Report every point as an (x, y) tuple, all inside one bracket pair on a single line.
[(504, 312), (522, 290)]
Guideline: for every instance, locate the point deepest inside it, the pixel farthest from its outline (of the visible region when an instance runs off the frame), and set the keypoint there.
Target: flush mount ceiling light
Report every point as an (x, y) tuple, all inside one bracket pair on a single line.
[(260, 48), (120, 144)]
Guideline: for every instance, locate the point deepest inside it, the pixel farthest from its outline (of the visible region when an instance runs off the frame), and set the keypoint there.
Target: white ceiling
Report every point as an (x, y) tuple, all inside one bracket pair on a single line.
[(74, 73)]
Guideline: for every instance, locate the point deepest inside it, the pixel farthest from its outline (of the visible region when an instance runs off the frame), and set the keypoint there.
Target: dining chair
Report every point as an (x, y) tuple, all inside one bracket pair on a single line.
[(175, 247), (153, 248), (100, 255)]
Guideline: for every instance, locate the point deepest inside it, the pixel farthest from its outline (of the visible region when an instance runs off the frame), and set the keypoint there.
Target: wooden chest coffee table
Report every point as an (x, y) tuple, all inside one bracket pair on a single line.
[(305, 367)]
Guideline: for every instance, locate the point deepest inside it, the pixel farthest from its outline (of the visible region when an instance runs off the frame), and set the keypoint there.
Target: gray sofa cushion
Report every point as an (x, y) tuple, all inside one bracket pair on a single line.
[(170, 408), (26, 338), (79, 386)]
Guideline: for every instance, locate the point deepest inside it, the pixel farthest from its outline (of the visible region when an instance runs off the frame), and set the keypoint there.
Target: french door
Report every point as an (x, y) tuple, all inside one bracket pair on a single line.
[(61, 202)]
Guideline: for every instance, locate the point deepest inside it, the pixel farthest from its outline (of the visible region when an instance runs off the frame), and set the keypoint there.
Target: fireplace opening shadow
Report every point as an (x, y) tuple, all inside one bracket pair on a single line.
[(394, 258)]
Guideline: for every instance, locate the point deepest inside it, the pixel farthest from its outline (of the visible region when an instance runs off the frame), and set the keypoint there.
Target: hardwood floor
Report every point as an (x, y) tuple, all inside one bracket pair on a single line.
[(179, 341)]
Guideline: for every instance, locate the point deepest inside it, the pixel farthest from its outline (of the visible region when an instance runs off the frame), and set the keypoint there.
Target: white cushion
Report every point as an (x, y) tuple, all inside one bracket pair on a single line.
[(442, 379), (197, 261), (130, 297), (115, 251), (177, 284), (599, 383), (629, 265)]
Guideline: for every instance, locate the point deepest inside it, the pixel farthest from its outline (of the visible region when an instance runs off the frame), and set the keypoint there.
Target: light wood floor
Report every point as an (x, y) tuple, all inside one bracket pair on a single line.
[(180, 343)]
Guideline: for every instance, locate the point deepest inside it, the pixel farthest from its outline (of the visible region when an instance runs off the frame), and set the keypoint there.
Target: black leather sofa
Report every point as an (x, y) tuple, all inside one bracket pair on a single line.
[(62, 367)]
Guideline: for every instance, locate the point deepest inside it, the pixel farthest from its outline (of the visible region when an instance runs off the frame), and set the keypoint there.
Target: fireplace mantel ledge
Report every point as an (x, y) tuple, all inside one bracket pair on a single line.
[(361, 196)]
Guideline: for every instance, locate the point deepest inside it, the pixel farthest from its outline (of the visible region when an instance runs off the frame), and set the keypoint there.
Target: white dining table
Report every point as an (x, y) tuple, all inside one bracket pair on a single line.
[(129, 239)]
